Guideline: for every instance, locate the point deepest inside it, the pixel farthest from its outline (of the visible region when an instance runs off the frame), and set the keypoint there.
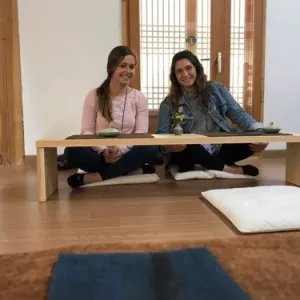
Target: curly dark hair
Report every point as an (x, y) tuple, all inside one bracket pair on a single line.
[(202, 86)]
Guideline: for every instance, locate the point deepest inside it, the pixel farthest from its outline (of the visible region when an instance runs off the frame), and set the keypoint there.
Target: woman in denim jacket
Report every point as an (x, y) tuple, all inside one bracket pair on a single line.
[(204, 107)]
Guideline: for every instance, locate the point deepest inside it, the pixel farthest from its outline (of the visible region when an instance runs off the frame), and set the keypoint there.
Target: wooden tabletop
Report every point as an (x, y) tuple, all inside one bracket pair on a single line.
[(168, 139)]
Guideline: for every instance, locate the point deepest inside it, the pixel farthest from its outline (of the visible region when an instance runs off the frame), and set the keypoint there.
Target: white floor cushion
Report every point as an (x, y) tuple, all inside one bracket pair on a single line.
[(197, 174), (225, 175), (129, 179), (201, 173), (259, 209)]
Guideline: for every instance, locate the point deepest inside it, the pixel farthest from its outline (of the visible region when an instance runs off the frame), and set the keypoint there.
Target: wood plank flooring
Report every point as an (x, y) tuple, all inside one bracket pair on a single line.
[(161, 212)]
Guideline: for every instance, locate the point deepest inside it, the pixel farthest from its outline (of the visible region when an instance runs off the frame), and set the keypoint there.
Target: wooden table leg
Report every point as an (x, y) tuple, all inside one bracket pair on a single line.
[(47, 172), (292, 173)]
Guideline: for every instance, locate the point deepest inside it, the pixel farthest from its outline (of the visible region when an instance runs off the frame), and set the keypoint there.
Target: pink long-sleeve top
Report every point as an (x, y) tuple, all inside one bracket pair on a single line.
[(136, 116)]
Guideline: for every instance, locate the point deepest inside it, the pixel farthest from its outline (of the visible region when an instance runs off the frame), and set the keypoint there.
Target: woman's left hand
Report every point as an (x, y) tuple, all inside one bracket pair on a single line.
[(258, 147), (114, 154)]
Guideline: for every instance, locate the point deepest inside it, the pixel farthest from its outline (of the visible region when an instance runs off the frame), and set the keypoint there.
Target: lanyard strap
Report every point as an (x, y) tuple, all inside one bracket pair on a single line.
[(123, 115)]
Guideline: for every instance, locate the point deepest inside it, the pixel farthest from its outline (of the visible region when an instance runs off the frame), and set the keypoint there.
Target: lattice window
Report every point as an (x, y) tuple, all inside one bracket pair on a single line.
[(204, 34), (157, 29), (237, 49), (162, 34)]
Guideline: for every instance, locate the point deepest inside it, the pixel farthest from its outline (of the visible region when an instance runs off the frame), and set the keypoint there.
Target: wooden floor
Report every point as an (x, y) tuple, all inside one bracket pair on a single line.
[(158, 213)]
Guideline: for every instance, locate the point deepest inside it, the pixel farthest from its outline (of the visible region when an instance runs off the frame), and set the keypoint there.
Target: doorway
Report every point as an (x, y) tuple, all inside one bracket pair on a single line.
[(227, 36)]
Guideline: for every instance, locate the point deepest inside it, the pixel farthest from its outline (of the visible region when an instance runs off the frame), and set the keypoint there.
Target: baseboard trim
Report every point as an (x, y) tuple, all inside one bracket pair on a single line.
[(30, 161)]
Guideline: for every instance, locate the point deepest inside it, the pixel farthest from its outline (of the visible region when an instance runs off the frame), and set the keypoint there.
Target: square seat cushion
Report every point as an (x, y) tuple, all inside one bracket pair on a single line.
[(128, 179), (258, 209), (201, 173)]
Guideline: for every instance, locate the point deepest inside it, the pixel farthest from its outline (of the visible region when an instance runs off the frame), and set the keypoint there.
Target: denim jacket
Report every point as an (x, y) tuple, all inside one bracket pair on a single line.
[(221, 105)]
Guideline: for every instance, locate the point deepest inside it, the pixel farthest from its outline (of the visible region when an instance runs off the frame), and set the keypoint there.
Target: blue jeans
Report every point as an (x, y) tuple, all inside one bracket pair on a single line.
[(87, 159)]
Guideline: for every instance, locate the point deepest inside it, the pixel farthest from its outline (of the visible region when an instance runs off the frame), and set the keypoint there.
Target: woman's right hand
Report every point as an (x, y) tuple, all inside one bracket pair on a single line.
[(112, 154), (173, 148)]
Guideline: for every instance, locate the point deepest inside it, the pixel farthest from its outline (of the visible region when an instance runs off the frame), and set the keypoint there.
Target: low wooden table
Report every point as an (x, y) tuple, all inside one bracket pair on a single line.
[(47, 152)]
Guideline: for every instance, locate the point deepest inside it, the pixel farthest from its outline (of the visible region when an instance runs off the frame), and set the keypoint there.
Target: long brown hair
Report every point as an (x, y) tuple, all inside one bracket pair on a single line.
[(202, 87), (103, 94)]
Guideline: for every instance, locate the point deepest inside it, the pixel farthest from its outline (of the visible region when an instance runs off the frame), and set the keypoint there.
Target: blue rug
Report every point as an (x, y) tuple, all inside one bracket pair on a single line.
[(190, 274)]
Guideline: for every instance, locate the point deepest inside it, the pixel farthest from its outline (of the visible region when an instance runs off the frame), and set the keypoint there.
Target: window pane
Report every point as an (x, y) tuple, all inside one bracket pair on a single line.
[(241, 51), (162, 34), (203, 34)]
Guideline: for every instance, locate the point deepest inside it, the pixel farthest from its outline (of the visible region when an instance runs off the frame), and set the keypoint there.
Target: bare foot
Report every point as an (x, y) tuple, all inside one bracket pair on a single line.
[(136, 172), (92, 178), (243, 170), (233, 169)]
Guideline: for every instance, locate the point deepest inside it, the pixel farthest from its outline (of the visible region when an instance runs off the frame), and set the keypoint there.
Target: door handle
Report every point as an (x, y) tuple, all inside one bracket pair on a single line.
[(219, 62), (191, 40)]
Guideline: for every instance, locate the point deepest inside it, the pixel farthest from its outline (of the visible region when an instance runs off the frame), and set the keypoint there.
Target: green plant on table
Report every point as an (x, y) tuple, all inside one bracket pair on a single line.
[(178, 117)]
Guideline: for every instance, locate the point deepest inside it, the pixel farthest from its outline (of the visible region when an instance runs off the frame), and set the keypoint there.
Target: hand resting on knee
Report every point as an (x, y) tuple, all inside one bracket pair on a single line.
[(112, 154)]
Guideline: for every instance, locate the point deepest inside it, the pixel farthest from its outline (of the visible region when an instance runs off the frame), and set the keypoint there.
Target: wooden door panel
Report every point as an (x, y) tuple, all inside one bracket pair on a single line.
[(234, 28), (220, 41), (152, 123)]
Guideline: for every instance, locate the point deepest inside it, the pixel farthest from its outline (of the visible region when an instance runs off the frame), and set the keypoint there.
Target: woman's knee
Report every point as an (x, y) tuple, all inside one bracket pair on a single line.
[(71, 153), (195, 150), (151, 153), (145, 148)]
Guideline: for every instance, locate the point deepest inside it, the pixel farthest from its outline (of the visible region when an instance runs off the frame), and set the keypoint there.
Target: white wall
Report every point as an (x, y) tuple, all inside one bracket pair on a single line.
[(64, 48), (282, 78)]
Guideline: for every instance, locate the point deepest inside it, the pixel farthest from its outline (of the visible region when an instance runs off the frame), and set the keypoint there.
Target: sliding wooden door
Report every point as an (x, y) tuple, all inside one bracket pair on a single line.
[(226, 35), (208, 34)]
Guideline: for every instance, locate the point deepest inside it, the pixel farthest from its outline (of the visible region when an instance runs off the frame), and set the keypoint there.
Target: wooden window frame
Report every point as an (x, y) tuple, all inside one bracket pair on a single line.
[(11, 114), (131, 33)]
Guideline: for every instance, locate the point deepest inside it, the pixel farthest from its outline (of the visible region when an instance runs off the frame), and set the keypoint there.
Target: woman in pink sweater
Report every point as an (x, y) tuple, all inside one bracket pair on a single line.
[(114, 104)]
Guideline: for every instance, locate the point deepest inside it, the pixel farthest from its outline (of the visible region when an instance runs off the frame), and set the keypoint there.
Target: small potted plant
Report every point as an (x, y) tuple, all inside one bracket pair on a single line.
[(178, 117)]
